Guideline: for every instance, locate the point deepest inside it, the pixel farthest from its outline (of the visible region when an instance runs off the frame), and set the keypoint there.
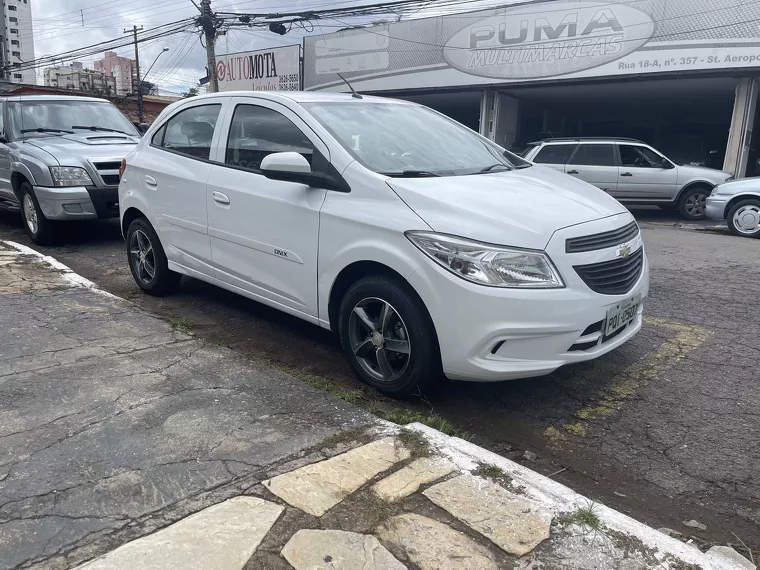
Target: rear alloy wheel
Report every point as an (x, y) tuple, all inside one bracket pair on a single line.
[(388, 336), (37, 226), (692, 205), (147, 260), (744, 218)]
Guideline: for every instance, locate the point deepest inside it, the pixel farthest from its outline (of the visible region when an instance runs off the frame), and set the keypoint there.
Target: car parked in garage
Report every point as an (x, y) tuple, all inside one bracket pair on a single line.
[(631, 171), (426, 247), (59, 159), (738, 203)]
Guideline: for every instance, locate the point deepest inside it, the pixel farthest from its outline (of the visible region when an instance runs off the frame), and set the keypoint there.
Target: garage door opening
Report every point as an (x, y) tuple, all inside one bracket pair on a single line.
[(686, 119), (462, 106)]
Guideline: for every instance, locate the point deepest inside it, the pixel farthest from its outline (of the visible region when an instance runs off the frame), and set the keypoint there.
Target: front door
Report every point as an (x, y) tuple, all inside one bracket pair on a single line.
[(595, 163), (264, 233), (643, 175)]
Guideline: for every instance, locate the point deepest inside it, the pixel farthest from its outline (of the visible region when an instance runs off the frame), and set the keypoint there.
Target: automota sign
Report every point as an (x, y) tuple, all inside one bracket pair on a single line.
[(527, 42), (555, 38), (276, 69)]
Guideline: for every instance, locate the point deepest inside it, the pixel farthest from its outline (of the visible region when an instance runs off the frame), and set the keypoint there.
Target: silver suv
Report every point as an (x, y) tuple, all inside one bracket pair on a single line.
[(60, 158), (631, 171)]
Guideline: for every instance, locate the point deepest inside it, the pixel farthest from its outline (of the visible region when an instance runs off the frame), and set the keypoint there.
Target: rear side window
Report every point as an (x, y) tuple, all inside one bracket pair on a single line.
[(189, 132), (256, 132), (594, 155), (555, 153)]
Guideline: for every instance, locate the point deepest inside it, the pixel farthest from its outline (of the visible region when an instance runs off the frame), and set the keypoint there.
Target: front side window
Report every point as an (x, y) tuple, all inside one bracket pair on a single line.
[(594, 155), (256, 132), (639, 157), (555, 153), (190, 131), (407, 140), (61, 116)]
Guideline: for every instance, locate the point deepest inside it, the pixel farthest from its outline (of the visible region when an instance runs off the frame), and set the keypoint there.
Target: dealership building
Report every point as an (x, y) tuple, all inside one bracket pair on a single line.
[(678, 74)]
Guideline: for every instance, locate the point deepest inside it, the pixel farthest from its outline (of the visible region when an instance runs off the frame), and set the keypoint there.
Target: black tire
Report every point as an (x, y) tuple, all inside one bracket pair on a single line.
[(420, 367), (691, 205), (752, 207), (145, 259), (41, 230)]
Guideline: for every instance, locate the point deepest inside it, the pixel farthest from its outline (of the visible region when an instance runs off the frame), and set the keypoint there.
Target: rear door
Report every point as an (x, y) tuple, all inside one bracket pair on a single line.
[(596, 164), (173, 171), (642, 174), (555, 155)]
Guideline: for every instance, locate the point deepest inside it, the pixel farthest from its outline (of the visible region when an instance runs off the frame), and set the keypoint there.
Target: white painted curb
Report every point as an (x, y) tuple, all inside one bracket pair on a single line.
[(73, 278), (561, 499)]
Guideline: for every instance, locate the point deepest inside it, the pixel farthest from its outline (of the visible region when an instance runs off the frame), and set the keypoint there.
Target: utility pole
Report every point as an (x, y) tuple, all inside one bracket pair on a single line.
[(140, 113), (209, 30)]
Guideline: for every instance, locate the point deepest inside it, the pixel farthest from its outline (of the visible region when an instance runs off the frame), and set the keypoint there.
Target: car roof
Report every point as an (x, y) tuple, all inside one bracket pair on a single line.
[(304, 97), (51, 98), (585, 140)]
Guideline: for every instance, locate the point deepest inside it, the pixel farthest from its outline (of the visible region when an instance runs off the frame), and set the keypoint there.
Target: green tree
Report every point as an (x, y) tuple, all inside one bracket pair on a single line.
[(192, 92)]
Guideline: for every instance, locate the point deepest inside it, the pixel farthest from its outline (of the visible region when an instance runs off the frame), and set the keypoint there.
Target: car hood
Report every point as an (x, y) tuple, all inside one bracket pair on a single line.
[(733, 187), (89, 145), (521, 208), (703, 173)]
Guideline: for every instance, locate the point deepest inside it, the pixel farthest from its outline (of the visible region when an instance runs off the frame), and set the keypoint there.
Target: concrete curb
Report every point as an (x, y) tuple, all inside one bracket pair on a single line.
[(561, 499)]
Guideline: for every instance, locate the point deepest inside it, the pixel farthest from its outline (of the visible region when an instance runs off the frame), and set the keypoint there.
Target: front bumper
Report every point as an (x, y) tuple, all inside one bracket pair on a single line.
[(491, 334), (715, 207), (78, 202)]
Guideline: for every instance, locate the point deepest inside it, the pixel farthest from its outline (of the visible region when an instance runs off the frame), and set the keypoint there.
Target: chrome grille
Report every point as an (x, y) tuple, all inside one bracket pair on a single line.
[(602, 240), (615, 277)]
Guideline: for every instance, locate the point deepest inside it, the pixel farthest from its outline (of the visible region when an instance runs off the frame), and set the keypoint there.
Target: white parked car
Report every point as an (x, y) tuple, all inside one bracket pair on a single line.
[(426, 247), (737, 202)]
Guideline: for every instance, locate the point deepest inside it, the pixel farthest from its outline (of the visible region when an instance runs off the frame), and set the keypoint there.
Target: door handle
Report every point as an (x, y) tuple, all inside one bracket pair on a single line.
[(220, 198), (572, 172), (150, 181), (626, 174)]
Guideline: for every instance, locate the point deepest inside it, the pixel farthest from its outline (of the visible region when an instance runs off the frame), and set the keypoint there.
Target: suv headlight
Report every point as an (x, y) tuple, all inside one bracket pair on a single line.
[(489, 264), (70, 176)]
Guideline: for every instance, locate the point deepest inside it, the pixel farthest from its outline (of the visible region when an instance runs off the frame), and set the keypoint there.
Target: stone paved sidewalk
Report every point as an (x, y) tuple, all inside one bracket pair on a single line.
[(128, 446)]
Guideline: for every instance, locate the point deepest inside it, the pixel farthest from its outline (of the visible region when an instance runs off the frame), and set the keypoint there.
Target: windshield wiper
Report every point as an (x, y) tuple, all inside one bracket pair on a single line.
[(96, 128), (410, 174), (498, 164), (45, 130)]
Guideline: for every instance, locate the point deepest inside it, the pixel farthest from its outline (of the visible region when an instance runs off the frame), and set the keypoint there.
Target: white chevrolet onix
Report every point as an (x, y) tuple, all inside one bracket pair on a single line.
[(426, 247)]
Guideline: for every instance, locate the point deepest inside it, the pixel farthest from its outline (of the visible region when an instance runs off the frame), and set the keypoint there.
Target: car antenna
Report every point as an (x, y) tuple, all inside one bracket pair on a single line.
[(354, 94)]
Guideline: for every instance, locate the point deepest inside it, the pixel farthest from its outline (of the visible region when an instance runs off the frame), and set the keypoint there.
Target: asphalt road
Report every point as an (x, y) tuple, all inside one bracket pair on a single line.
[(666, 428)]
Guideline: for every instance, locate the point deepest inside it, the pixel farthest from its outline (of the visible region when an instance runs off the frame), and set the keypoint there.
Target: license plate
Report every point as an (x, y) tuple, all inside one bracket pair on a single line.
[(620, 315)]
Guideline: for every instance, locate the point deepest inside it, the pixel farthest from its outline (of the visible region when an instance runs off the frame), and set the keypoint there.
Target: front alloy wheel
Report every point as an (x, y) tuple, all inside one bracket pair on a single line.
[(37, 226), (694, 203), (379, 339), (30, 215)]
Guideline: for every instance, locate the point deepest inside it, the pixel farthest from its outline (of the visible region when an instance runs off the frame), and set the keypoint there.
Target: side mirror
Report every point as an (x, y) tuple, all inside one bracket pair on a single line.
[(287, 167), (3, 139), (667, 164), (143, 128)]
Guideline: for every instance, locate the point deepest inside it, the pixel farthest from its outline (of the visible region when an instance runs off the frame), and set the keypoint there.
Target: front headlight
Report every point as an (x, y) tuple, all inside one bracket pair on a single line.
[(70, 176), (489, 264)]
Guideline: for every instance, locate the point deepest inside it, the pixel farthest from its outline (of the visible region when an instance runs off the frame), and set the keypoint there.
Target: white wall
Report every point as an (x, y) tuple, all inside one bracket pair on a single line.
[(25, 36)]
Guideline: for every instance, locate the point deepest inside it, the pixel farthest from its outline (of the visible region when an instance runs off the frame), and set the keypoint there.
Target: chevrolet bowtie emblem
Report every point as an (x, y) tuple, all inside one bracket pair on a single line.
[(624, 251)]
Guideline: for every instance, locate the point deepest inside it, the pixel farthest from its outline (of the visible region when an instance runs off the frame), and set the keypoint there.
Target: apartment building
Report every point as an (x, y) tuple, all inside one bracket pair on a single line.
[(17, 41), (122, 69), (76, 77)]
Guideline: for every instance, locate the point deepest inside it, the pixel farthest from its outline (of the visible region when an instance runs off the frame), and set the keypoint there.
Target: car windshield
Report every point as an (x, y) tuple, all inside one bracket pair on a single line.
[(44, 118), (410, 140)]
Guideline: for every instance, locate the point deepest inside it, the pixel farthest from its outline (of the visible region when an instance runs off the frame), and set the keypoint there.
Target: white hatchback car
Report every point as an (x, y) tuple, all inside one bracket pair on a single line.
[(426, 247)]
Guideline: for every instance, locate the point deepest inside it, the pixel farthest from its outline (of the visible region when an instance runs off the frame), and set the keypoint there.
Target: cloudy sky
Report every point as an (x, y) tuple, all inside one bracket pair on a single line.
[(62, 25)]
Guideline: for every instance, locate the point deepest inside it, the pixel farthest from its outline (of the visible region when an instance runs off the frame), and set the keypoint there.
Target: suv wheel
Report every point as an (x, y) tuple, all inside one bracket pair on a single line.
[(147, 260), (691, 206), (744, 218), (37, 226), (388, 336)]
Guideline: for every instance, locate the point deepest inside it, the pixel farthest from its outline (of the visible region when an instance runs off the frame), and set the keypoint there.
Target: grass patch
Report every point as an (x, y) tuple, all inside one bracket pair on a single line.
[(414, 442), (585, 517), (403, 416), (497, 475), (322, 383), (345, 437), (182, 324)]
